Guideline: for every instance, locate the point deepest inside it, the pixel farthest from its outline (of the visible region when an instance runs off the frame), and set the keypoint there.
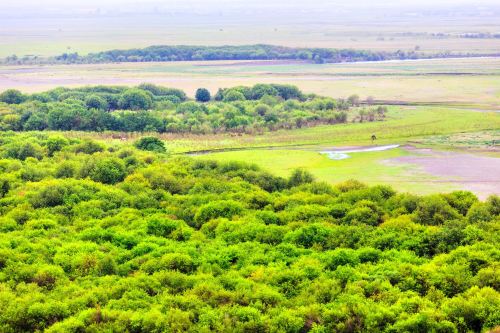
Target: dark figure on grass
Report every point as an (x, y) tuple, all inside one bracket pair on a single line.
[(374, 137)]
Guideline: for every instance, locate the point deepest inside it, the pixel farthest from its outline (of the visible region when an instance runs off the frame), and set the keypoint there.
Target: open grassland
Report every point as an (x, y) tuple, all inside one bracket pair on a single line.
[(403, 124), (473, 82), (92, 33), (370, 168), (443, 129), (475, 140), (422, 171), (404, 169)]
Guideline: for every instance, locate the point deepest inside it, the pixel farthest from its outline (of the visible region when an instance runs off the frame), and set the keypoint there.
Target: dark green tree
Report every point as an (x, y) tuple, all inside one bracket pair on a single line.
[(136, 99), (150, 143), (12, 96), (96, 102), (202, 95)]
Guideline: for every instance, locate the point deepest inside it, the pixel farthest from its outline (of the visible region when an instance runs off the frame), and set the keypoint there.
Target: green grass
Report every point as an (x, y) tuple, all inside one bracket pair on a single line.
[(437, 127), (403, 124), (370, 168), (473, 140)]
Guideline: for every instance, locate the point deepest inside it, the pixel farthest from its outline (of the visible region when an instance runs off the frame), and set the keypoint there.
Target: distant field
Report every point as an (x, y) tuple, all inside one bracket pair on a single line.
[(471, 81), (93, 33)]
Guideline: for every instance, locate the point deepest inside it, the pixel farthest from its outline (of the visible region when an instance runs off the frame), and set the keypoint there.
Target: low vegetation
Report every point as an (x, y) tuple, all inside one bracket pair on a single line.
[(151, 108), (115, 238)]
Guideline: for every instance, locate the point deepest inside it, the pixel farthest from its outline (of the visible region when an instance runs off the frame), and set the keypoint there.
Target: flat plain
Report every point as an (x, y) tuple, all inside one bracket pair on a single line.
[(465, 81), (298, 26)]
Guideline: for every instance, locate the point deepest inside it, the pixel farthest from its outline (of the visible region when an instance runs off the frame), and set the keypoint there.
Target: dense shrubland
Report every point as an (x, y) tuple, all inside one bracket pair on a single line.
[(153, 108), (240, 52), (119, 238)]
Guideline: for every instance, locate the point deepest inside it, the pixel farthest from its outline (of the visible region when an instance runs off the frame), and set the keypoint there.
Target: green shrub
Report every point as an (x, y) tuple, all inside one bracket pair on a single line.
[(300, 177), (96, 102), (216, 209), (150, 144), (89, 147), (108, 171), (12, 96)]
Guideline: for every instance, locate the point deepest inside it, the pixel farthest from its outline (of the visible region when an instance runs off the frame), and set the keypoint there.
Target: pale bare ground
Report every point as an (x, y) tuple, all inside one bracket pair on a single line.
[(477, 173), (471, 81)]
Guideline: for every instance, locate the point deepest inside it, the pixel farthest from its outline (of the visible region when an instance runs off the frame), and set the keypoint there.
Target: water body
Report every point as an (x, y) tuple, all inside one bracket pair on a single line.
[(342, 154)]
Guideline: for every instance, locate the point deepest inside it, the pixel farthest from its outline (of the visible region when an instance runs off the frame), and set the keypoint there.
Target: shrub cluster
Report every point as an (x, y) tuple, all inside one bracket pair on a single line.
[(116, 239), (151, 108)]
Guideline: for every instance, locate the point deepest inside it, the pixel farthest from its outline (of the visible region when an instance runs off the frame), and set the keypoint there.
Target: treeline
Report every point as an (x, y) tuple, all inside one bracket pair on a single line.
[(244, 52), (148, 107), (481, 35), (97, 238)]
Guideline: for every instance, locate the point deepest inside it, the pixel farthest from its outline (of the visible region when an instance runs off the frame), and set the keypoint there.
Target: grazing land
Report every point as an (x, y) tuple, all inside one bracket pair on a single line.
[(422, 171), (420, 81), (421, 124)]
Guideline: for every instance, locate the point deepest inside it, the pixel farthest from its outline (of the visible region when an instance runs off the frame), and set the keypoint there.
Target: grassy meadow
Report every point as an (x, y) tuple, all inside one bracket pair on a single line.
[(426, 81), (371, 168), (439, 128), (403, 124)]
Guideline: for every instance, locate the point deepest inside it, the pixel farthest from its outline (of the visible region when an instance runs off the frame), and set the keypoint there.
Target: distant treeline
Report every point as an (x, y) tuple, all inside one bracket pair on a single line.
[(244, 52), (481, 35)]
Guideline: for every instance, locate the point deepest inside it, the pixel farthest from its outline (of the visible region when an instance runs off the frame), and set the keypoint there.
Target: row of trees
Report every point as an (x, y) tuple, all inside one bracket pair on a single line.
[(153, 108), (124, 238), (240, 52)]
